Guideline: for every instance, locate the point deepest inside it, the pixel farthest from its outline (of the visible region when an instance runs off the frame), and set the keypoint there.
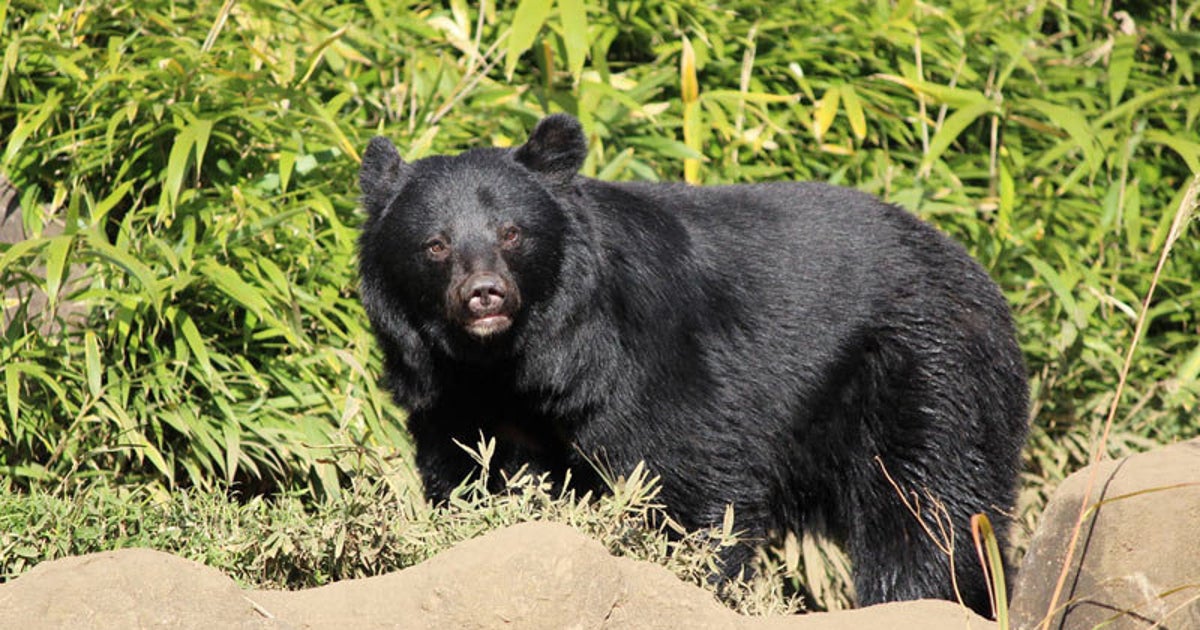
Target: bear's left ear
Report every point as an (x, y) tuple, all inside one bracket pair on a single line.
[(381, 175), (556, 147)]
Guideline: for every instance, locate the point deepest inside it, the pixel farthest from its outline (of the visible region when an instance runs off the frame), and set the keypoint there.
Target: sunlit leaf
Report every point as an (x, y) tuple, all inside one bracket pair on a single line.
[(1082, 136), (527, 23), (826, 111), (951, 128), (92, 363), (854, 112), (30, 123), (575, 33), (1189, 150), (191, 142), (57, 251), (1119, 67), (689, 87)]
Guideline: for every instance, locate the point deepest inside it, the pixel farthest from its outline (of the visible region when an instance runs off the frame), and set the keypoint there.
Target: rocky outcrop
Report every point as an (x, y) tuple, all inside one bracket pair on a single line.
[(535, 575), (1137, 562)]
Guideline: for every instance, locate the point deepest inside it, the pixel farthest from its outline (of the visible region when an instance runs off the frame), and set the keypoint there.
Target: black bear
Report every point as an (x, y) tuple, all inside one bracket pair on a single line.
[(806, 353)]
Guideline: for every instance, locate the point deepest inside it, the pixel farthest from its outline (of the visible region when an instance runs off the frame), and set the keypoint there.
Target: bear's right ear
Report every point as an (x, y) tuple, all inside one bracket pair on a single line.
[(381, 175), (556, 147)]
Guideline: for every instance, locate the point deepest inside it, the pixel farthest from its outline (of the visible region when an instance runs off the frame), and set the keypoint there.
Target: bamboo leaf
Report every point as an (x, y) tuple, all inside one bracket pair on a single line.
[(1189, 150), (734, 96), (193, 135), (233, 453), (319, 54), (195, 342), (952, 96), (13, 381), (176, 167), (952, 128), (148, 450), (1063, 290), (689, 91), (101, 210), (29, 124), (1119, 67), (615, 166), (12, 395), (691, 137), (1007, 204), (689, 87), (854, 112), (988, 548), (10, 56), (200, 131), (92, 365), (98, 245), (19, 251), (57, 251), (329, 116), (287, 163), (826, 111), (420, 147), (1136, 103), (575, 34), (233, 286), (1189, 368), (1133, 220), (1181, 53), (666, 147), (527, 23), (1077, 128)]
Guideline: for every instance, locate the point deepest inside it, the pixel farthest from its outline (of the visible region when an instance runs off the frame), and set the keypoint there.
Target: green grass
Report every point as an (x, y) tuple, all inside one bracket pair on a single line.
[(369, 529), (201, 159)]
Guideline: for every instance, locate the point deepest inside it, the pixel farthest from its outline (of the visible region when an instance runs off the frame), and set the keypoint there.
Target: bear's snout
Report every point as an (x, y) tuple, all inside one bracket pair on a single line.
[(483, 293), (487, 301)]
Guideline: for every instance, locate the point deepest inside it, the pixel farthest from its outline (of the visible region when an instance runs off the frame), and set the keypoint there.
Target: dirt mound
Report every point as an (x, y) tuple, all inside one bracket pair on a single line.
[(130, 588), (536, 575)]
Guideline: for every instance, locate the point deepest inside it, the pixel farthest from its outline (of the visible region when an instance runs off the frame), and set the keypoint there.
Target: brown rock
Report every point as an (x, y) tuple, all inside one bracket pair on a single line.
[(130, 588), (1137, 562), (535, 575)]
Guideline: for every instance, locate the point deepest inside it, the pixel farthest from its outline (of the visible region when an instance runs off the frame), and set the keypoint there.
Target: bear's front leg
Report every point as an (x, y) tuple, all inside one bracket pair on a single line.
[(443, 464)]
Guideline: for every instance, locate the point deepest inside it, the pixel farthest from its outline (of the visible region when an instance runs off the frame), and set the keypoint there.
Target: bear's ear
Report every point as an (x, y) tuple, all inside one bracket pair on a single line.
[(381, 175), (556, 147)]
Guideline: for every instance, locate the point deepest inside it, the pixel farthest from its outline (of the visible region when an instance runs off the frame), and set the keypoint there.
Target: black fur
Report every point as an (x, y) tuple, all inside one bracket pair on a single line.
[(776, 347)]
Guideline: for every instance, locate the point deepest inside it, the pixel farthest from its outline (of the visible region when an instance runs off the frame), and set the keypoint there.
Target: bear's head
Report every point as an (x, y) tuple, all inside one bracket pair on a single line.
[(460, 248)]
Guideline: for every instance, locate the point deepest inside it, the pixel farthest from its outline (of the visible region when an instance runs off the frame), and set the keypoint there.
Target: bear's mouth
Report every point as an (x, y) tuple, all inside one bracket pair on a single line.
[(488, 325)]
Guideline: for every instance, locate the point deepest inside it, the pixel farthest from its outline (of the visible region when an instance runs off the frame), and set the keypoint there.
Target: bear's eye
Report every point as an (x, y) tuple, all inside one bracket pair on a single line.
[(437, 249), (510, 235)]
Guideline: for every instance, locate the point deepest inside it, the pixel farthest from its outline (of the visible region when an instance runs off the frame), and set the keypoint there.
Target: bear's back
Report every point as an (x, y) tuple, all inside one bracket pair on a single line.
[(797, 245)]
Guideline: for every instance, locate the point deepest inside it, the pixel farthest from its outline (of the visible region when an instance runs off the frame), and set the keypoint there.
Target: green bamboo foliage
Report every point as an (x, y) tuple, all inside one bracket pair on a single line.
[(689, 93)]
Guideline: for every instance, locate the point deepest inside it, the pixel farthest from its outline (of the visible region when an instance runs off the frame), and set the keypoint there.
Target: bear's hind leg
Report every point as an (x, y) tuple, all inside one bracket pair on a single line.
[(902, 547)]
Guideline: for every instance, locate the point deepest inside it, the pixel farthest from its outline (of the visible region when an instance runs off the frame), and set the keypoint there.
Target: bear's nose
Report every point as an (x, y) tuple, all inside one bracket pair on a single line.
[(483, 293)]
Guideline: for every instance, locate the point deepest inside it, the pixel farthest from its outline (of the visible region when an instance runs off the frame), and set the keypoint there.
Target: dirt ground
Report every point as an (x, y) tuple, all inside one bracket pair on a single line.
[(535, 575)]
